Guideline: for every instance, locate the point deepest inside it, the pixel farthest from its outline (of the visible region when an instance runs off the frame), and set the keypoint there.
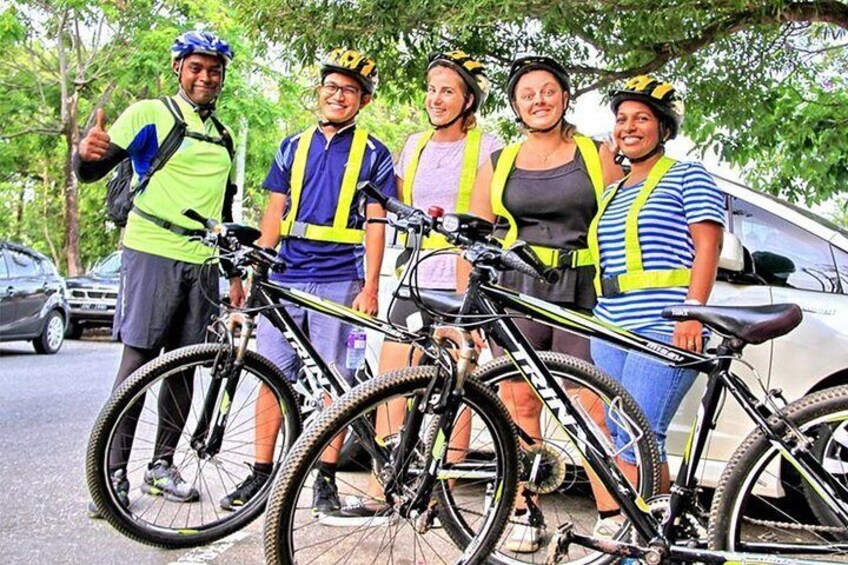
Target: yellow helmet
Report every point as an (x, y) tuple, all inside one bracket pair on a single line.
[(661, 96), (473, 73), (354, 64)]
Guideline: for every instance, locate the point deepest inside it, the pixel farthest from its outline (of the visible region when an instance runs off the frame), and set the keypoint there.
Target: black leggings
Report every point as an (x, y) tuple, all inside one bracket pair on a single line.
[(174, 404)]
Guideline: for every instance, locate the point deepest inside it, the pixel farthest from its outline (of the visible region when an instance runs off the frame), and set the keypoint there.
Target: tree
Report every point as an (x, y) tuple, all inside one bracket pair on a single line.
[(65, 59), (765, 81), (58, 57)]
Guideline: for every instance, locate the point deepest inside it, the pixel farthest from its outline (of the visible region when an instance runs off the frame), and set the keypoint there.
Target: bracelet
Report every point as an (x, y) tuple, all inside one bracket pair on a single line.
[(370, 293), (693, 302)]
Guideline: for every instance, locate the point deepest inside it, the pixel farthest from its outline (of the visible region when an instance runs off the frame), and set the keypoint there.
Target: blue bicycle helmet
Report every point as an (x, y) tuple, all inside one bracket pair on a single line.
[(203, 43)]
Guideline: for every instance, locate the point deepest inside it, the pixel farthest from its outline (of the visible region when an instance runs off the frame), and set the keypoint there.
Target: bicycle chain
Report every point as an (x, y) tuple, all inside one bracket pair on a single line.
[(793, 526)]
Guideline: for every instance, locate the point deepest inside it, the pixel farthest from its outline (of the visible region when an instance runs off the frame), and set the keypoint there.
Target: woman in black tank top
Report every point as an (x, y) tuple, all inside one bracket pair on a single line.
[(543, 191)]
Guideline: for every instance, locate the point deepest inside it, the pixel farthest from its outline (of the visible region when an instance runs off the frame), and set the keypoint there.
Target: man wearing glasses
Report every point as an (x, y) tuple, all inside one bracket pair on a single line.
[(312, 213)]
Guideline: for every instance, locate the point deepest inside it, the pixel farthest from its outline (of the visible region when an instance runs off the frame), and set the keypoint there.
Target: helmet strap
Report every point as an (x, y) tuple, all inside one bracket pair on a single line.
[(458, 117), (529, 129), (658, 148), (337, 125), (203, 110)]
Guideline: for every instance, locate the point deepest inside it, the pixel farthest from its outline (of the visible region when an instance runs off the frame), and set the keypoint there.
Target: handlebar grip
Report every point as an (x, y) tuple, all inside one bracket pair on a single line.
[(393, 205), (522, 259), (208, 223)]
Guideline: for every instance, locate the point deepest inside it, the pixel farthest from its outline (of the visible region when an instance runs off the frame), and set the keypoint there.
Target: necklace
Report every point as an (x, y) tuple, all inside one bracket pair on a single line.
[(544, 158)]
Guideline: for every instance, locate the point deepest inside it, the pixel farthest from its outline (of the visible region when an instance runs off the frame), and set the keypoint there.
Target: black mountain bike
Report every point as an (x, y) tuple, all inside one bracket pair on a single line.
[(796, 454), (233, 393)]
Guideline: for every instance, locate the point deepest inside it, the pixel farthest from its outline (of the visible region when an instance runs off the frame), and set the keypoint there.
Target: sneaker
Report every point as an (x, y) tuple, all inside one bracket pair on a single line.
[(325, 494), (163, 479), (354, 513), (244, 491), (526, 536), (607, 528), (122, 490)]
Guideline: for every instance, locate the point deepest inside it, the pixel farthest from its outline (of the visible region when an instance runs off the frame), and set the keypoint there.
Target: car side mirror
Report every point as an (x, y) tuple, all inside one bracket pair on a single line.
[(732, 256)]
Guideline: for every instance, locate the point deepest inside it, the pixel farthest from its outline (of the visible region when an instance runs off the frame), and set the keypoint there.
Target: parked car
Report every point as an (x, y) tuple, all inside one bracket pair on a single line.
[(33, 303), (92, 297), (775, 252)]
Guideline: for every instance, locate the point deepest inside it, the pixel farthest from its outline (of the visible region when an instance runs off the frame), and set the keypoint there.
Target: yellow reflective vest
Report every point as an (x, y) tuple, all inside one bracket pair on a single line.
[(636, 277), (338, 232), (550, 256), (470, 158)]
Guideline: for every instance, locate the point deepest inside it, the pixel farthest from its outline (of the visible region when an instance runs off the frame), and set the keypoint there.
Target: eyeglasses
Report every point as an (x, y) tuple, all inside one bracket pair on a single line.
[(331, 88)]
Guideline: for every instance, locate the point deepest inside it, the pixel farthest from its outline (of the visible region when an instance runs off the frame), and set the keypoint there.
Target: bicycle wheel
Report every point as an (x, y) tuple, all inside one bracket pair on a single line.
[(188, 407), (293, 534), (762, 503), (559, 488)]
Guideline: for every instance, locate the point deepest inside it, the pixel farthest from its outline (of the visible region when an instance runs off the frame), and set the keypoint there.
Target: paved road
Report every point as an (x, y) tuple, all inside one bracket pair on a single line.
[(47, 406)]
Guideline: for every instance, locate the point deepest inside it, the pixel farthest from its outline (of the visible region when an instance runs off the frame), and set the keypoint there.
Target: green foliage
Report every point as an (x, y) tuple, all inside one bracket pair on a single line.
[(740, 63)]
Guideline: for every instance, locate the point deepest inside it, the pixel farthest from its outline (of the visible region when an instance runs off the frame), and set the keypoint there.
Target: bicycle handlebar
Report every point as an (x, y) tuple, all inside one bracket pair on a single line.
[(234, 237), (466, 231)]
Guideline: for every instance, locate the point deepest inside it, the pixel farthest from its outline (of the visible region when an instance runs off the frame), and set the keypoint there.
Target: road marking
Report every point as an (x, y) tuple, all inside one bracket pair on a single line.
[(212, 551)]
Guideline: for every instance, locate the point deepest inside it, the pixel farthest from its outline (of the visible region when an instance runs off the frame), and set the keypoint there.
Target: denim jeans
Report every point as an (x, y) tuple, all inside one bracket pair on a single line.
[(657, 388)]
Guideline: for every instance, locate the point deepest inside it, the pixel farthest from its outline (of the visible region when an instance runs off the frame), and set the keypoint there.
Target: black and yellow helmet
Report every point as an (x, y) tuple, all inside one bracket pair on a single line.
[(354, 64), (472, 72), (661, 96), (524, 65)]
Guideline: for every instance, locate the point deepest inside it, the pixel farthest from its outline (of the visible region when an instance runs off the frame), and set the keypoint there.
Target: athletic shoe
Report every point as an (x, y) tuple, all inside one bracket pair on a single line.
[(526, 536), (607, 528), (356, 514), (163, 479), (325, 494), (245, 491), (121, 485)]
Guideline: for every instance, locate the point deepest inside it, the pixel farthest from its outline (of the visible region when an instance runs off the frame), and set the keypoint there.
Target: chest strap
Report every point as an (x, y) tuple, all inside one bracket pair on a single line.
[(338, 232), (550, 256), (635, 277)]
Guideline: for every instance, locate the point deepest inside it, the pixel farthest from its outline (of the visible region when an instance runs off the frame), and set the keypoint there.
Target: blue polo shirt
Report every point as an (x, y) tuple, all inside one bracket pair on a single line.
[(311, 261)]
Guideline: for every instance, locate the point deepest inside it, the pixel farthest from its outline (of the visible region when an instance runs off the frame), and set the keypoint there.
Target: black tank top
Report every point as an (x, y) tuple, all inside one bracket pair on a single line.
[(553, 208)]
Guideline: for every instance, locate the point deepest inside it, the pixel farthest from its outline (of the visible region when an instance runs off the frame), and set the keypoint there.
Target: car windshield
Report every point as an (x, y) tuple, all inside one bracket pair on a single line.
[(110, 265)]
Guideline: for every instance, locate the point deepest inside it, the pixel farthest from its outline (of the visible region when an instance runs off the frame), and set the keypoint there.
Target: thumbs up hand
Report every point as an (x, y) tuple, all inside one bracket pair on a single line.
[(94, 145)]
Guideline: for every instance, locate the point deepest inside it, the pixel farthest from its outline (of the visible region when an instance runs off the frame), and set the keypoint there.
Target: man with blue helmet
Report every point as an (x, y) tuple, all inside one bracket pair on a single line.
[(161, 302)]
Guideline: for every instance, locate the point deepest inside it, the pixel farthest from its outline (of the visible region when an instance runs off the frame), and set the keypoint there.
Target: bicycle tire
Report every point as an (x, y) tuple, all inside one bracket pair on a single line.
[(283, 515), (153, 520), (737, 507), (578, 373)]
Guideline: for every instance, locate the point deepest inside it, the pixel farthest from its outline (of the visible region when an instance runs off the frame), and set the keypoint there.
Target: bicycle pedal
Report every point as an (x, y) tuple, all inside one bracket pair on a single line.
[(559, 544)]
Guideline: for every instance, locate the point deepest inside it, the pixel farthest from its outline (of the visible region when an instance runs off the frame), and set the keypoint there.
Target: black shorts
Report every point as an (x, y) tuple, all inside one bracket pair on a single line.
[(404, 312), (161, 301)]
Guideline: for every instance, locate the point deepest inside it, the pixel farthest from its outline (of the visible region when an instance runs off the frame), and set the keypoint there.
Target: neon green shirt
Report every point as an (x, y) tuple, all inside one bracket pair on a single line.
[(194, 177)]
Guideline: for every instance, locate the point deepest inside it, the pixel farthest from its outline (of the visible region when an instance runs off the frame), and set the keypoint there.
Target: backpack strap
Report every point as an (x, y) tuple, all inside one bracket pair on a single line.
[(169, 145)]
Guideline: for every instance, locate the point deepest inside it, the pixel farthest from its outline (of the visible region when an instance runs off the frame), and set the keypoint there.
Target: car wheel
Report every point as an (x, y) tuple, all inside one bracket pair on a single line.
[(53, 334), (74, 331)]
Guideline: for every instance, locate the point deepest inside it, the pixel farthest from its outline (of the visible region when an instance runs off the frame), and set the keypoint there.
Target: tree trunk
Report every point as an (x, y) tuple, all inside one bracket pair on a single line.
[(72, 236)]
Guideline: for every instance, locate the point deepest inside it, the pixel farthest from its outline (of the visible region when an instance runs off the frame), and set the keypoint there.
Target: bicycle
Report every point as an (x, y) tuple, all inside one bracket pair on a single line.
[(432, 476), (789, 448), (219, 430)]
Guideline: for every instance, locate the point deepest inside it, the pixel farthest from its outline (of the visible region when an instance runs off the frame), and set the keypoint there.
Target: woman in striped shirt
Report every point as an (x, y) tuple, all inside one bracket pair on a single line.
[(656, 242)]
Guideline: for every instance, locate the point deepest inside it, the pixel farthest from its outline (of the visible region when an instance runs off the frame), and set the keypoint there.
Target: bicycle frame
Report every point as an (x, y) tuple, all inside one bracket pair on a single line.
[(487, 299)]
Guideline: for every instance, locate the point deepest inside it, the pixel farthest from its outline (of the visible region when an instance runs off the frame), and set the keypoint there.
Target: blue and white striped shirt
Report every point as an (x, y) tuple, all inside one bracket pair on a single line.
[(686, 195)]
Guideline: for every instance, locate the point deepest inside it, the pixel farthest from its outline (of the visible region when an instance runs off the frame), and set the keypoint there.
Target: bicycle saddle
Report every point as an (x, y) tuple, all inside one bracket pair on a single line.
[(751, 324), (441, 302)]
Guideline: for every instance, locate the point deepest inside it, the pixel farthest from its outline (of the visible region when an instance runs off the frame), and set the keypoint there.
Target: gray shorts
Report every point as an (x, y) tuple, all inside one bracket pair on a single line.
[(328, 335), (161, 301)]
